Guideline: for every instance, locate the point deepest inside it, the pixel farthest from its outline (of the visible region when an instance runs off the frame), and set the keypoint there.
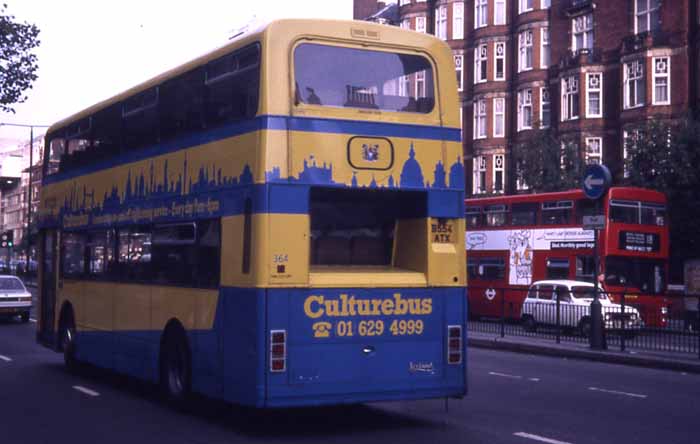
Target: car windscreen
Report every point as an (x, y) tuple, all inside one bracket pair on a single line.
[(362, 78), (11, 284)]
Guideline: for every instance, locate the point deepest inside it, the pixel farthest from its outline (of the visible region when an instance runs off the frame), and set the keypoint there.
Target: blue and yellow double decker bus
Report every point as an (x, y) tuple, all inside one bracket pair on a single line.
[(276, 223)]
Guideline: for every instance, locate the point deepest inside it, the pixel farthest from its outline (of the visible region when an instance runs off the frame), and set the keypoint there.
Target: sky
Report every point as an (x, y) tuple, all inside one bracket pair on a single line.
[(91, 50)]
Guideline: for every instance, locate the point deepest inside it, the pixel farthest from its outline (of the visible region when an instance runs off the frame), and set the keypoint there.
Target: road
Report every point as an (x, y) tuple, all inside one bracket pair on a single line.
[(513, 398)]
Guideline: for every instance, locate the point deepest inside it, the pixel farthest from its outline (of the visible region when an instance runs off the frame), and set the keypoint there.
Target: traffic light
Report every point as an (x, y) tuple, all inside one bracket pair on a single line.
[(7, 239)]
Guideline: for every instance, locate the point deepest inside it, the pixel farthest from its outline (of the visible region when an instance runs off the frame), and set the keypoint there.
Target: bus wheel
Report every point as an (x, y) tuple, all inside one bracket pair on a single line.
[(529, 324), (67, 338), (175, 368), (25, 317), (584, 327)]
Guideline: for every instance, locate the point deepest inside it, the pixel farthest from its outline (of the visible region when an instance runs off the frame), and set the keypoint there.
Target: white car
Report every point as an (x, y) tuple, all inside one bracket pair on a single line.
[(575, 298), (15, 299)]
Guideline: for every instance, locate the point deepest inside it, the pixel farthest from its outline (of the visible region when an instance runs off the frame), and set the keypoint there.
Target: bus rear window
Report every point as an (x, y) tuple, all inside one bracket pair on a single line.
[(361, 78)]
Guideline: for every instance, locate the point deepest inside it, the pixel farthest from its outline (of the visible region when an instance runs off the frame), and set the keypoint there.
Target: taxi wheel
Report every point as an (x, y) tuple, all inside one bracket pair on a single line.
[(584, 327), (529, 324), (175, 368)]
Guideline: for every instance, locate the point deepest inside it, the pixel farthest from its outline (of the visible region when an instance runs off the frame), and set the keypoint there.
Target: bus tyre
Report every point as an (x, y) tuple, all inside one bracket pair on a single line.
[(175, 368), (25, 317), (67, 344), (584, 327), (529, 324)]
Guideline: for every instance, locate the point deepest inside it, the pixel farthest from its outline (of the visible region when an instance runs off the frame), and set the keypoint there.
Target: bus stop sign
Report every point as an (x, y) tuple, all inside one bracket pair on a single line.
[(596, 181)]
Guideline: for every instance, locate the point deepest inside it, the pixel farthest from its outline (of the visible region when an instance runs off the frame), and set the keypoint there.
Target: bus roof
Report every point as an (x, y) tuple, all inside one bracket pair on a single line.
[(284, 31), (628, 193)]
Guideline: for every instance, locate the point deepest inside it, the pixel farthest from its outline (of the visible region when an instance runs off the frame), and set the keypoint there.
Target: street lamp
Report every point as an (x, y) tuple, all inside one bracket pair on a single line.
[(29, 188)]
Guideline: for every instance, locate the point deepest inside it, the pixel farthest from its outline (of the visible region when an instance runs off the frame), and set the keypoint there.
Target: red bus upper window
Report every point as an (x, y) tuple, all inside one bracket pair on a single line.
[(495, 215), (473, 216), (524, 214), (557, 212)]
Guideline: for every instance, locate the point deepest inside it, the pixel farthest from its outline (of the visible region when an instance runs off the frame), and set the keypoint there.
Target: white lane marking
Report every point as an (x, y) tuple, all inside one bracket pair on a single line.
[(504, 375), (534, 379), (87, 391), (5, 358), (32, 320), (615, 392), (539, 438)]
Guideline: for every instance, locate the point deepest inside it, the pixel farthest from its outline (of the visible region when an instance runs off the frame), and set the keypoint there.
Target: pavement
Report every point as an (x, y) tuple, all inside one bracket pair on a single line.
[(683, 362)]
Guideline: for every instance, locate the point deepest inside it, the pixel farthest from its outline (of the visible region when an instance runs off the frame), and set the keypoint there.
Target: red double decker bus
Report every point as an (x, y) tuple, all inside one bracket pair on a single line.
[(514, 240)]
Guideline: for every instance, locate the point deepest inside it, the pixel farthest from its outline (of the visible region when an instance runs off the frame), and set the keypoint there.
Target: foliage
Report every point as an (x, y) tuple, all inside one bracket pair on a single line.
[(664, 156), (545, 163), (18, 66)]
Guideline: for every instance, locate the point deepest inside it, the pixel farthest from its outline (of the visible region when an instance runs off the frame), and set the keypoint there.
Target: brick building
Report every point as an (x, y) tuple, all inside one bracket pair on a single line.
[(586, 70)]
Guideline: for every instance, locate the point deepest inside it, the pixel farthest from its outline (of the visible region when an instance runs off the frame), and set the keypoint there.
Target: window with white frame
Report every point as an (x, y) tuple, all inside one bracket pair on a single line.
[(481, 13), (479, 175), (420, 84), (544, 48), (524, 6), (499, 117), (420, 24), (459, 60), (441, 22), (404, 2), (500, 65), (405, 23), (457, 20), (594, 150), (480, 63), (545, 108), (634, 84), (499, 168), (499, 15), (524, 109), (520, 182), (544, 4), (569, 98), (525, 50), (646, 14), (594, 94), (662, 81), (480, 119), (582, 32), (404, 85)]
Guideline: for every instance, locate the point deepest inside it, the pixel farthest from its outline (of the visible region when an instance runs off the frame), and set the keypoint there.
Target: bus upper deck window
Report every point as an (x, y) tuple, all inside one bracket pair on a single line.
[(57, 147), (362, 78), (473, 216), (624, 211), (524, 214), (557, 212), (495, 215), (653, 214)]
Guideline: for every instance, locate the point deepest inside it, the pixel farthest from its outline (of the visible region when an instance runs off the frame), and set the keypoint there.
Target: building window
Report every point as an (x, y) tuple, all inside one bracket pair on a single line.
[(480, 63), (594, 94), (481, 13), (545, 108), (524, 6), (479, 174), (457, 20), (544, 4), (524, 109), (520, 182), (525, 50), (441, 22), (498, 172), (459, 59), (499, 17), (569, 98), (646, 15), (420, 84), (582, 32), (480, 119), (634, 84), (662, 81), (406, 23), (500, 65), (404, 2), (404, 86), (420, 24), (544, 48), (499, 117), (594, 150)]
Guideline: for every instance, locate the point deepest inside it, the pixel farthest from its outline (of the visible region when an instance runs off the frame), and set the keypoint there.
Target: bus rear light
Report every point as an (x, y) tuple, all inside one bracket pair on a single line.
[(278, 350), (454, 344)]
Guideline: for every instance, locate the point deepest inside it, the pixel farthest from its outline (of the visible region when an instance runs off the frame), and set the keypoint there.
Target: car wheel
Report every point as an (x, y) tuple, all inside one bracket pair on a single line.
[(529, 324), (25, 317), (175, 368), (584, 327)]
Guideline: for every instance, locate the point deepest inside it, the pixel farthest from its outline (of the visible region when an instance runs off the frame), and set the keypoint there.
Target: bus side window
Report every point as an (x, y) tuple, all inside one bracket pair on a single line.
[(557, 268), (557, 213), (496, 215), (473, 268), (473, 217), (524, 214)]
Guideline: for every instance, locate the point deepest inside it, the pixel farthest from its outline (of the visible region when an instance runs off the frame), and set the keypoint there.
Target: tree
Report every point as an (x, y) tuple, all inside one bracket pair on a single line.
[(664, 156), (18, 65), (546, 163)]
